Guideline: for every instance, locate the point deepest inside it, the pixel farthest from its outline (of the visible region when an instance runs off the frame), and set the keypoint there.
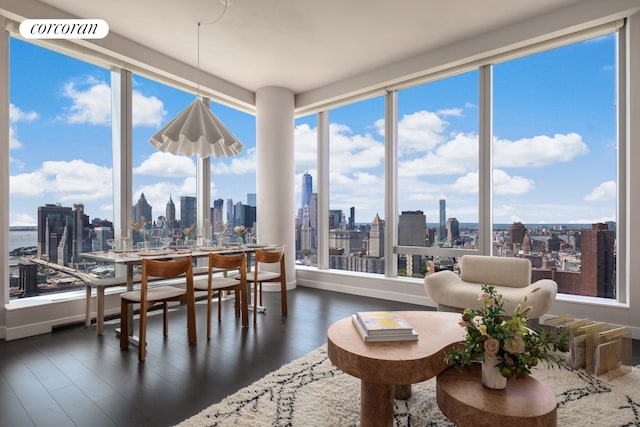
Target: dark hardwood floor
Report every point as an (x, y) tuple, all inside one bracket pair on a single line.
[(71, 377)]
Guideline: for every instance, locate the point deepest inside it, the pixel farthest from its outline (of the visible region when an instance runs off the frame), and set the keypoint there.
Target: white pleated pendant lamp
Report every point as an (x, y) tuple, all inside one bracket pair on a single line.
[(196, 130)]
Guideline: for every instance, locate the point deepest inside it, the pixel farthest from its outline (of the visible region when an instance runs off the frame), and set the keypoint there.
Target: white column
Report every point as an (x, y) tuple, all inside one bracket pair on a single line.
[(275, 173)]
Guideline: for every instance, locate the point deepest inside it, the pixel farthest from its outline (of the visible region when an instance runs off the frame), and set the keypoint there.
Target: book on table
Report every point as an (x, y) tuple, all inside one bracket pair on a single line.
[(378, 326)]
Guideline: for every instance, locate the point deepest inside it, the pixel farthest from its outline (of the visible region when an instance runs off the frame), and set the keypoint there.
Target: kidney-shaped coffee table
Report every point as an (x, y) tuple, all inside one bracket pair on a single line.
[(387, 369)]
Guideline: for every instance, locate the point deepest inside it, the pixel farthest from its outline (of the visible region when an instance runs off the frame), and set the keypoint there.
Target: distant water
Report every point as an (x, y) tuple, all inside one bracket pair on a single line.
[(22, 238)]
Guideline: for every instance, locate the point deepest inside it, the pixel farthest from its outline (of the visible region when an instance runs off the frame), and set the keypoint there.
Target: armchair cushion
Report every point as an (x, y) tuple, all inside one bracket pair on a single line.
[(510, 276)]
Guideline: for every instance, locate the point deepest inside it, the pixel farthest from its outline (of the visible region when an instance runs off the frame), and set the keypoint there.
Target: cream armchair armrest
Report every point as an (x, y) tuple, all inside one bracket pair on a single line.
[(541, 297), (438, 284)]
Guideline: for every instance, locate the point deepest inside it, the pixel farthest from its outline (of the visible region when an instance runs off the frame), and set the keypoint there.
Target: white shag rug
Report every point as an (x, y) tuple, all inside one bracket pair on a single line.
[(310, 391)]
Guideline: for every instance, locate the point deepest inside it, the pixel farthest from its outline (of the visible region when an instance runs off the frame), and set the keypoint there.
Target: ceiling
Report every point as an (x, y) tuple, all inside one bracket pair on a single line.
[(302, 45)]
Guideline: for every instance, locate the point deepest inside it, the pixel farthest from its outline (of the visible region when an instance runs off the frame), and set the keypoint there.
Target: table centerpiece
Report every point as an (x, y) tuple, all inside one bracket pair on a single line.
[(505, 347)]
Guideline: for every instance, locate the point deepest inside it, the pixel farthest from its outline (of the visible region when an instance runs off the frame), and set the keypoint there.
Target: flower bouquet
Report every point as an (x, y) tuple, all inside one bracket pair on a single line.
[(507, 344), (141, 229), (240, 230)]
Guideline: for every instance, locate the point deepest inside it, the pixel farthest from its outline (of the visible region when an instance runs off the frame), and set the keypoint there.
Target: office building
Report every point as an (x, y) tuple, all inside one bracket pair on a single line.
[(142, 209), (442, 229), (171, 214), (188, 215), (412, 231), (598, 261), (453, 230), (307, 187), (54, 221)]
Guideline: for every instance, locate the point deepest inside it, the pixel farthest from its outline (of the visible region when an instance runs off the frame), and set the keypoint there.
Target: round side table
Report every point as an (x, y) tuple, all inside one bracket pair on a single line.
[(525, 402)]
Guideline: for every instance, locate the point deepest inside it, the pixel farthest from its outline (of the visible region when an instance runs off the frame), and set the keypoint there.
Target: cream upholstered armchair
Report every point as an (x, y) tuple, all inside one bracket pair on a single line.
[(510, 276)]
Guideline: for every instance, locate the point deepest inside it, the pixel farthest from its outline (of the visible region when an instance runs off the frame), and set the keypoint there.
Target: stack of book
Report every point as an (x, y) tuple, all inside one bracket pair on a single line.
[(380, 326)]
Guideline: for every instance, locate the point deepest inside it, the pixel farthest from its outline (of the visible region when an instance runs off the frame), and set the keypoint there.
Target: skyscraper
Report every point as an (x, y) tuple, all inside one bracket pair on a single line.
[(230, 215), (53, 222), (216, 215), (188, 215), (171, 213), (442, 231), (251, 199), (376, 238), (142, 209), (81, 232), (453, 229), (598, 262), (516, 236), (307, 185), (412, 231), (352, 218)]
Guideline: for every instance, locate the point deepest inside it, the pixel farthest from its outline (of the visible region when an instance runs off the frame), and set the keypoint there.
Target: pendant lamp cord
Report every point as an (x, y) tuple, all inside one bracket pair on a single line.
[(226, 4)]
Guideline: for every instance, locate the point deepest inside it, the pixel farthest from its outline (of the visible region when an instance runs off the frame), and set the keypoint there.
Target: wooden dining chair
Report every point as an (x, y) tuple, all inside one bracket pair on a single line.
[(261, 275), (217, 263), (148, 297)]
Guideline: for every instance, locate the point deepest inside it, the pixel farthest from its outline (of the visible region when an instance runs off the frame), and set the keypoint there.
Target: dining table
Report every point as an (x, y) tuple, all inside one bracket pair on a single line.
[(132, 257)]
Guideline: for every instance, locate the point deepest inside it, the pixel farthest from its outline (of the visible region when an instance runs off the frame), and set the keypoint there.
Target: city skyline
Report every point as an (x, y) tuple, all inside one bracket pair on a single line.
[(545, 171)]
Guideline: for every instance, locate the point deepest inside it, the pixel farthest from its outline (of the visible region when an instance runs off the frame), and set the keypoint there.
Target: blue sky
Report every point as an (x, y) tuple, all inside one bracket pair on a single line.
[(554, 136)]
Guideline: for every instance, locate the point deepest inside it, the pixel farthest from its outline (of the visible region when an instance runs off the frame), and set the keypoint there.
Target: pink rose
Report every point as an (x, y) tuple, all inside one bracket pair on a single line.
[(491, 346), (484, 297)]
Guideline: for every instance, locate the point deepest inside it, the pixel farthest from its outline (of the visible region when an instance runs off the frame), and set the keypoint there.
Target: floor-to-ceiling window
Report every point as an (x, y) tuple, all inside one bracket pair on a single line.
[(549, 122), (356, 187), (555, 154), (437, 171), (306, 193), (61, 198), (233, 179), (164, 184)]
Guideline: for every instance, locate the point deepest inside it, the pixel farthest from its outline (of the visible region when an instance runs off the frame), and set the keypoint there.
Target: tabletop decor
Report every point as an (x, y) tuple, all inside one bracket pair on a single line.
[(505, 347), (240, 230), (141, 228)]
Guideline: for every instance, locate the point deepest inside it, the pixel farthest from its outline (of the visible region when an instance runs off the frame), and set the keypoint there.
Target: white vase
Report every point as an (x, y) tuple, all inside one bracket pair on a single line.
[(491, 376)]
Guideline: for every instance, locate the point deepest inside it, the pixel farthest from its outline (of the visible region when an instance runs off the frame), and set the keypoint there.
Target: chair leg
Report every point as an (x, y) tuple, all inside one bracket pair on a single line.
[(124, 325), (142, 336), (209, 298), (219, 306), (255, 303), (260, 286), (165, 325), (191, 319), (236, 296), (283, 297)]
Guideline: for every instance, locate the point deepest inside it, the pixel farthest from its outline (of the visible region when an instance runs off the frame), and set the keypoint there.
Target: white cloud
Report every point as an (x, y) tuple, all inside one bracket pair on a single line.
[(91, 103), (65, 182), (503, 183), (420, 132), (455, 157), (17, 115), (166, 165), (306, 151), (349, 151), (241, 164), (538, 151), (21, 219), (456, 112), (604, 191), (157, 195), (147, 111)]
